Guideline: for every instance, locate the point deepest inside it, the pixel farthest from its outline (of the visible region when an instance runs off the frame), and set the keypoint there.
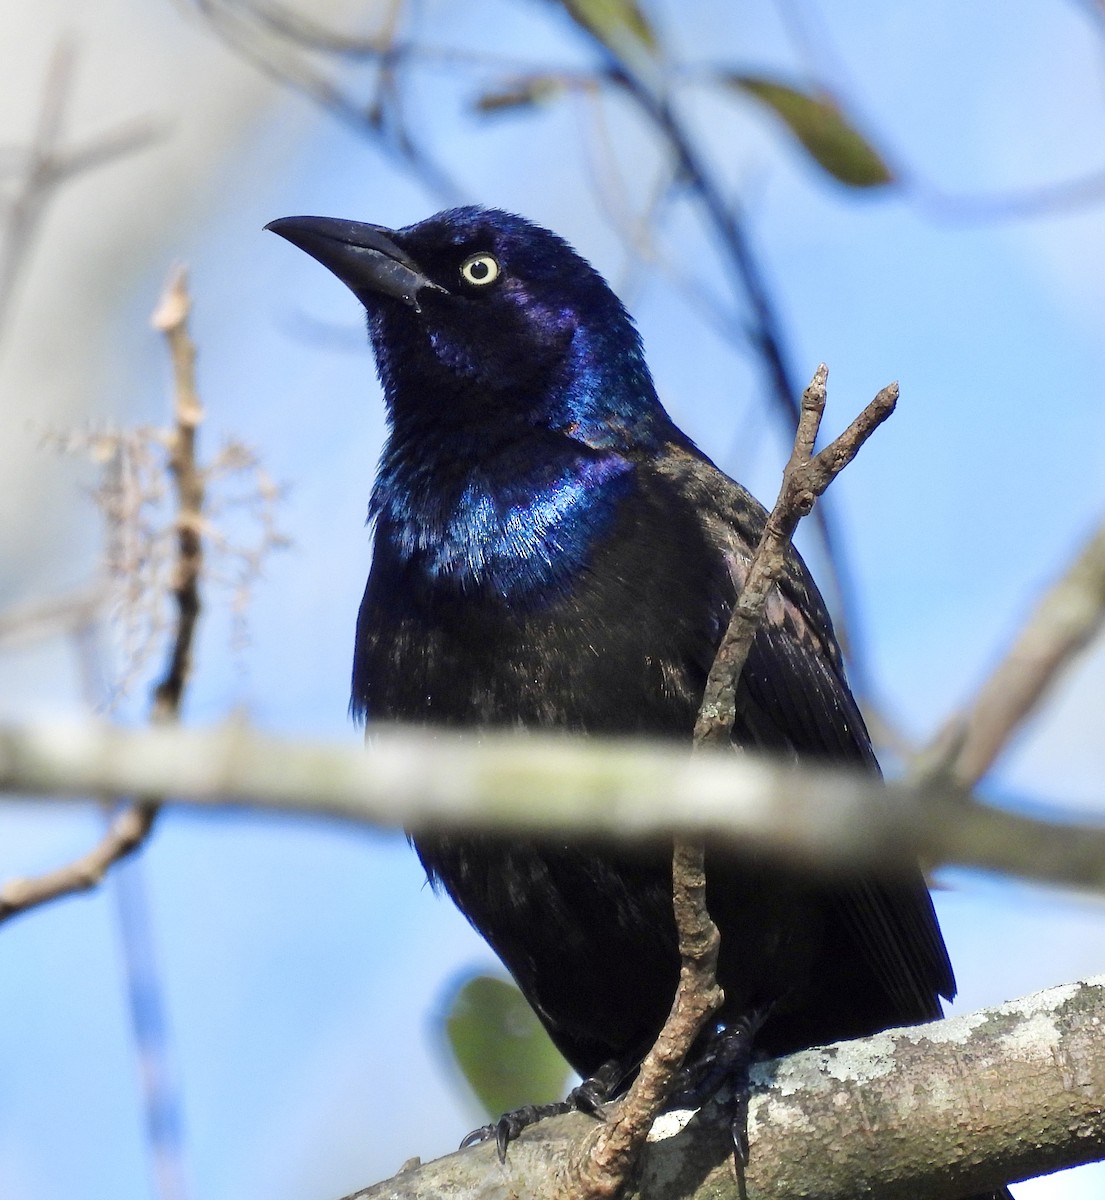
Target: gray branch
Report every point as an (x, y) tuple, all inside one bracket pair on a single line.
[(1063, 623), (554, 785), (930, 1112)]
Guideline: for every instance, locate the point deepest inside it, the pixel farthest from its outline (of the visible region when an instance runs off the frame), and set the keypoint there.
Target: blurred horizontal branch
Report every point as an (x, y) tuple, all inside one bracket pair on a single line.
[(545, 785), (1027, 1078)]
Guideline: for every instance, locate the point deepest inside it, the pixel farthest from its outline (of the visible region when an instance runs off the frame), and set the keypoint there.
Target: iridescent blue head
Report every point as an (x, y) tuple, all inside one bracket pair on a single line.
[(485, 322), (517, 392)]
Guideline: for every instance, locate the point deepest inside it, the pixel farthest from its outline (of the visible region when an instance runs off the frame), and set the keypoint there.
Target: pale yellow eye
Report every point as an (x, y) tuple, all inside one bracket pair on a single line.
[(479, 270)]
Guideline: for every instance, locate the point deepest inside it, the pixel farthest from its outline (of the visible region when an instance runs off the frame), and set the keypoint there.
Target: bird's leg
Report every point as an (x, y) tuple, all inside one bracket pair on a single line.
[(587, 1097), (724, 1062), (590, 1095)]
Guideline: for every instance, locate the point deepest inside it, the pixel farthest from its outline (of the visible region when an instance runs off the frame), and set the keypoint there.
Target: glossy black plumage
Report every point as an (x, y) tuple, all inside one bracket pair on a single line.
[(551, 551)]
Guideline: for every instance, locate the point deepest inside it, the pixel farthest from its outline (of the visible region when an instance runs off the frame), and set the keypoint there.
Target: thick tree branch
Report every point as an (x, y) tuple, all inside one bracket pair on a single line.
[(931, 1112), (555, 786)]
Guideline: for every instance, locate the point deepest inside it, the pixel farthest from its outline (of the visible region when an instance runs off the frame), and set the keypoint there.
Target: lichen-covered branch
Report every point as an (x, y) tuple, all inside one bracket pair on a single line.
[(931, 1112)]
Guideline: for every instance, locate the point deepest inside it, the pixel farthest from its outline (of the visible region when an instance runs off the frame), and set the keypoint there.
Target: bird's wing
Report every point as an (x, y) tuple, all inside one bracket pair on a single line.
[(794, 699)]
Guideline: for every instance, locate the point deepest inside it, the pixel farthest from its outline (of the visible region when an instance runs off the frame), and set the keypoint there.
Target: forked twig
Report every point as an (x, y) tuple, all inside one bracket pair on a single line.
[(805, 477), (609, 1155)]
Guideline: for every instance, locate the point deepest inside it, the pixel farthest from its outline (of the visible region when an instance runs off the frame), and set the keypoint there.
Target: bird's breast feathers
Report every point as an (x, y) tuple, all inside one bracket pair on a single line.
[(519, 539)]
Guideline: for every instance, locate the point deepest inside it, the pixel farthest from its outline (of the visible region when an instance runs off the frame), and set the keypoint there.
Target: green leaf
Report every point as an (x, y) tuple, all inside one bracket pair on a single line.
[(829, 138), (619, 24), (501, 1048)]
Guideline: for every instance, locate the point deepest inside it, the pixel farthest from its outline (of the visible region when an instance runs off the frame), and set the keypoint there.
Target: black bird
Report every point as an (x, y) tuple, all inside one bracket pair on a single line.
[(552, 552)]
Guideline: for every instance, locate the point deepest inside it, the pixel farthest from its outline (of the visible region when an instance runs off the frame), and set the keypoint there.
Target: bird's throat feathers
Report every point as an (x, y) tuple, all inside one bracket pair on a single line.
[(546, 367), (506, 492), (502, 527)]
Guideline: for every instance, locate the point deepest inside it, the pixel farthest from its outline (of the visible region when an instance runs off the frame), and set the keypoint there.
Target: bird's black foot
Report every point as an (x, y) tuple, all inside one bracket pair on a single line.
[(588, 1097), (511, 1124), (724, 1062)]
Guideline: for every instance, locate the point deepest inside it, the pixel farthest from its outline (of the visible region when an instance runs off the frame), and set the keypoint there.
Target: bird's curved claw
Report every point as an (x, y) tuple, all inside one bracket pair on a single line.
[(507, 1128), (724, 1062), (587, 1097)]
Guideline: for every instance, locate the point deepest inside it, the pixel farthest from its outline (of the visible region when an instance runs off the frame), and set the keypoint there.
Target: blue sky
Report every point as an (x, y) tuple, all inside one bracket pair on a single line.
[(302, 963)]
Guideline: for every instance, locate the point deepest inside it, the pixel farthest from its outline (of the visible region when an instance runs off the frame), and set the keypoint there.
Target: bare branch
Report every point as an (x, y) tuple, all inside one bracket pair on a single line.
[(46, 166), (1064, 621), (130, 828), (1034, 1101), (765, 332), (606, 1159), (40, 620), (609, 1156), (125, 834), (805, 478), (271, 41), (556, 786), (1013, 204), (171, 319)]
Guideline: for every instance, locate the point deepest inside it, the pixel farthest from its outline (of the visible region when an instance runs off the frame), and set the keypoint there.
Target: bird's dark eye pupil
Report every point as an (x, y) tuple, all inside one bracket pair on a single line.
[(479, 269)]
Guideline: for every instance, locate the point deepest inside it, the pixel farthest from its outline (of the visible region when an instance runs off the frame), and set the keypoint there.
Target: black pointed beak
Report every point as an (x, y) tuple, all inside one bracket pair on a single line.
[(364, 257)]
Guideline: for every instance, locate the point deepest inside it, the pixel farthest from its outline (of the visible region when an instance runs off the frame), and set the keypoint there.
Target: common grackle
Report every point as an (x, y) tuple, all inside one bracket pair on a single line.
[(551, 551)]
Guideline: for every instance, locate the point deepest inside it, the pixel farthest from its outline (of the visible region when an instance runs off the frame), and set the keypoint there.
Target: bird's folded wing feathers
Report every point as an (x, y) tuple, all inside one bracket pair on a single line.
[(793, 699)]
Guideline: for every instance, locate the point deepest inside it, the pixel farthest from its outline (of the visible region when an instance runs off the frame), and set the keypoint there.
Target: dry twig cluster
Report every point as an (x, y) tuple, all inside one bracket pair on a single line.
[(155, 555)]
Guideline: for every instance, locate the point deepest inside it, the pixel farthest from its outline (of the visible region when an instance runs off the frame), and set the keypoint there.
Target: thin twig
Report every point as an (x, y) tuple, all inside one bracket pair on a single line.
[(1066, 618), (126, 833), (41, 620), (805, 478), (46, 167), (605, 1160), (171, 319), (147, 1009), (265, 45), (766, 329), (131, 827), (609, 1156)]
